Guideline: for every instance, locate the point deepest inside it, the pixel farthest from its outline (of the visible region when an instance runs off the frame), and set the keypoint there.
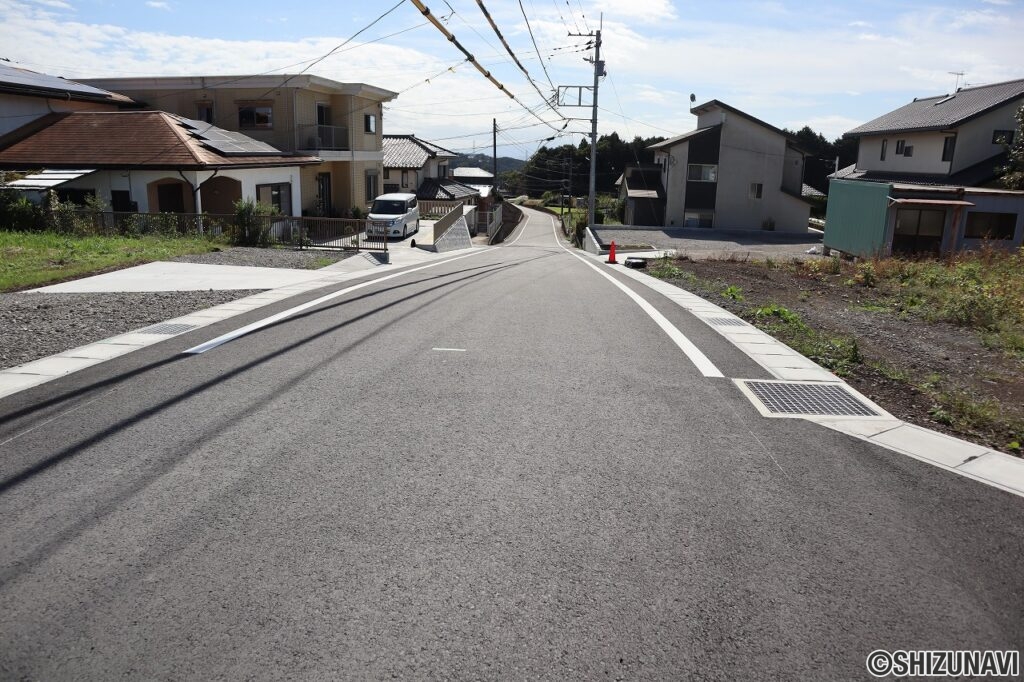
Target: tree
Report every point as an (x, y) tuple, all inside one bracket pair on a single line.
[(1013, 171)]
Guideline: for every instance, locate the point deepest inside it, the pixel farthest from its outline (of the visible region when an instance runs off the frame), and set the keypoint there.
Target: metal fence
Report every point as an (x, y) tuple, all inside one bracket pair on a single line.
[(299, 232)]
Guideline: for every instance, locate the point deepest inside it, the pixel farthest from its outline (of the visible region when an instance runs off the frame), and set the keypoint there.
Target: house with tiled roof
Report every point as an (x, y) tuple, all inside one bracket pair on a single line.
[(150, 162), (408, 160), (339, 123), (27, 95), (925, 178), (957, 138)]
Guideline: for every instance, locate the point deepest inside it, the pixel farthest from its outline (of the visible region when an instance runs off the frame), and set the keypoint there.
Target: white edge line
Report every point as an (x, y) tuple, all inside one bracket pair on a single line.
[(701, 361), (450, 350), (267, 321)]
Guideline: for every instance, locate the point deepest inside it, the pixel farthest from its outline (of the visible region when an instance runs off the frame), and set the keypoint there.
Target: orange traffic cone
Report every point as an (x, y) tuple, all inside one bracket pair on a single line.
[(611, 255)]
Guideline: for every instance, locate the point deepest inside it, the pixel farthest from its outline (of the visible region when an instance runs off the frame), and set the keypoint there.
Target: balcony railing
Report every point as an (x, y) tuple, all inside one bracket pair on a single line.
[(318, 137)]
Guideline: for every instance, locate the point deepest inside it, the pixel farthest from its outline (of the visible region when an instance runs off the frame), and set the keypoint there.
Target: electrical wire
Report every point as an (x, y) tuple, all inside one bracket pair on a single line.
[(512, 54), (542, 65)]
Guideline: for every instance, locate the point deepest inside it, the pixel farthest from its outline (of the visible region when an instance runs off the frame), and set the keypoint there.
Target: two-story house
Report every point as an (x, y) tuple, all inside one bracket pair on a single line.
[(408, 160), (733, 172), (925, 177), (309, 115), (27, 95)]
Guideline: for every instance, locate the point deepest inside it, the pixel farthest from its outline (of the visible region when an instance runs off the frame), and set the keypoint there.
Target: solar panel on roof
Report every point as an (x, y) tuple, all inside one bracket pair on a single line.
[(16, 76)]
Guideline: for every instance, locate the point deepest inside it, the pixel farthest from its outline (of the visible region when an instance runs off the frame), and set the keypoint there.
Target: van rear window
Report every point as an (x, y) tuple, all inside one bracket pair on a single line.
[(388, 207)]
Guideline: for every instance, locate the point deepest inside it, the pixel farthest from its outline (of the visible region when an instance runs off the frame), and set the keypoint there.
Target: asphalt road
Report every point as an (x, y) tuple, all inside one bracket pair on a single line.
[(557, 493)]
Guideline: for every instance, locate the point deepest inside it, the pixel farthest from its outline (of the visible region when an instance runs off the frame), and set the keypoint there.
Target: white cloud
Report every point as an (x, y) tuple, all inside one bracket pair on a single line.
[(830, 127), (861, 24), (56, 4), (156, 4), (1001, 3)]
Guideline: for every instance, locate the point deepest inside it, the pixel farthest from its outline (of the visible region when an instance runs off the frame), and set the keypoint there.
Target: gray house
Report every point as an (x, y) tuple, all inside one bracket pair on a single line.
[(733, 172)]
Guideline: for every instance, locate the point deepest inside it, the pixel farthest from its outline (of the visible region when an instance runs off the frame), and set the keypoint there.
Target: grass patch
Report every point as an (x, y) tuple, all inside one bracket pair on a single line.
[(32, 259), (982, 290), (321, 262), (837, 353)]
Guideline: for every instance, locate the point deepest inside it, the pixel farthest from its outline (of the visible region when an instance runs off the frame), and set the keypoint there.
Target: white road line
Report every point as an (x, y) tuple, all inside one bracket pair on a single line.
[(700, 361), (450, 350), (266, 322)]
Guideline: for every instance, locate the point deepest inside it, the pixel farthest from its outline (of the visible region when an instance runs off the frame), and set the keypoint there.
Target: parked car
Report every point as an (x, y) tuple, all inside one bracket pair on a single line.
[(392, 215)]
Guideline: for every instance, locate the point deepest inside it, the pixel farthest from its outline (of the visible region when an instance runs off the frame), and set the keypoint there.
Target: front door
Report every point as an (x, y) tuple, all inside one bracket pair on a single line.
[(323, 194), (918, 230)]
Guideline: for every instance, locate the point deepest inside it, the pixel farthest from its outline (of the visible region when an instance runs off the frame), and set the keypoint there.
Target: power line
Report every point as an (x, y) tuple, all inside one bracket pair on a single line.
[(512, 54), (542, 65), (425, 11)]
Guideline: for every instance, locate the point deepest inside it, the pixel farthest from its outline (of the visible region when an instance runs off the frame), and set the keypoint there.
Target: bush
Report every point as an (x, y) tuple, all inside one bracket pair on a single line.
[(253, 228), (19, 214)]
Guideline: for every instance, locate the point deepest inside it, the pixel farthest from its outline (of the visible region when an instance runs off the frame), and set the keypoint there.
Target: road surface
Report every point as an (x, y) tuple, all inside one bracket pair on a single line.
[(494, 467)]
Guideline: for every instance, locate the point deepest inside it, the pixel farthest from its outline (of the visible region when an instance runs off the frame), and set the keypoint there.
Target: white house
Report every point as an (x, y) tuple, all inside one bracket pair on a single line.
[(733, 172), (957, 139), (151, 162)]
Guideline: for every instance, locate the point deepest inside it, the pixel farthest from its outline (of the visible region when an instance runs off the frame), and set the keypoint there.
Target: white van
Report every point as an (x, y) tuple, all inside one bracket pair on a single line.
[(393, 215)]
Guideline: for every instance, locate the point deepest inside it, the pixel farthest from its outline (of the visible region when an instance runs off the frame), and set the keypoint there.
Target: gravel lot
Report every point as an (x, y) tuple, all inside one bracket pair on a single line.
[(35, 325)]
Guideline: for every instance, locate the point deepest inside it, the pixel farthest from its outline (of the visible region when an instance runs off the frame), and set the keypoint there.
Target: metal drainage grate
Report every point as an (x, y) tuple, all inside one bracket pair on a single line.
[(833, 400), (168, 328), (727, 322)]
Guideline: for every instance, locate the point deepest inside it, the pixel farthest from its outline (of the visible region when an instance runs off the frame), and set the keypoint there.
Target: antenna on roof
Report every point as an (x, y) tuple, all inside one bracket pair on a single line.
[(959, 75)]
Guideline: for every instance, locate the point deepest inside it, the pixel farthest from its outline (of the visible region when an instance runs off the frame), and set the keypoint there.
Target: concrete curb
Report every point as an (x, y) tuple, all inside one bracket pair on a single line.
[(972, 461)]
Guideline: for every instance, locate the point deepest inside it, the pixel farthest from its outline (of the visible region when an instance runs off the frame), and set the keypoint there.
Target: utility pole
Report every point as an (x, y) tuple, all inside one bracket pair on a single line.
[(598, 72), (578, 89), (494, 150)]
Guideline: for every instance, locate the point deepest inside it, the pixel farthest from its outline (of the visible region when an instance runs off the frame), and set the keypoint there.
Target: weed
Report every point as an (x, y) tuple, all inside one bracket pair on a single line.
[(889, 371), (733, 292), (665, 268)]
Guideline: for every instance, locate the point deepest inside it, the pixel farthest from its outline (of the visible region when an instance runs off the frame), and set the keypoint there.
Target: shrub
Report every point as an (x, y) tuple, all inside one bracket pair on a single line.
[(253, 228)]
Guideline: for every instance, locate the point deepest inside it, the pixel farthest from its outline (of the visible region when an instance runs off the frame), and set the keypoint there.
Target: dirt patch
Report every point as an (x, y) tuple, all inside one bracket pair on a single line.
[(937, 375)]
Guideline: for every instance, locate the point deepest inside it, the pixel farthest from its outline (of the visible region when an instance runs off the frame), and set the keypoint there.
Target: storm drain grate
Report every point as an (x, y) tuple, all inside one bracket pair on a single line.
[(809, 399), (168, 328), (727, 322)]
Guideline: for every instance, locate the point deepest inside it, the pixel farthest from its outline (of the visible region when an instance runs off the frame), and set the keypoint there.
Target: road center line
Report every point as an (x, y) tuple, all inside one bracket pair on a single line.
[(450, 350), (267, 321), (700, 361)]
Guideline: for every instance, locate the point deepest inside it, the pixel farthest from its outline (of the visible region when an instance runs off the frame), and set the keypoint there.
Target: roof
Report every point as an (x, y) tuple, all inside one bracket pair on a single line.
[(471, 172), (943, 111), (718, 104), (47, 179), (643, 183), (408, 151), (982, 172), (444, 189), (809, 192), (17, 81), (673, 141), (135, 139), (302, 81)]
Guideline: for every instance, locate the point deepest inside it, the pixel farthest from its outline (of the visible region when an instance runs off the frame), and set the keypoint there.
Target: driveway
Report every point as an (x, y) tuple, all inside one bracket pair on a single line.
[(703, 244)]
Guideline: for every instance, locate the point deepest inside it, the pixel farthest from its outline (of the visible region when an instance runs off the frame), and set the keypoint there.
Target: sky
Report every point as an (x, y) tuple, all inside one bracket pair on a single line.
[(829, 65)]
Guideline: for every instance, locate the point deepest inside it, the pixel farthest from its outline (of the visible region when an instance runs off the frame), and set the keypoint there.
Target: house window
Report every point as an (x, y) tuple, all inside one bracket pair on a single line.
[(256, 116), (948, 145), (702, 172), (387, 173), (920, 222), (698, 219), (405, 178), (1002, 137), (278, 195), (982, 225), (908, 150), (900, 145), (204, 112), (371, 185), (442, 171), (369, 123), (885, 145), (756, 190)]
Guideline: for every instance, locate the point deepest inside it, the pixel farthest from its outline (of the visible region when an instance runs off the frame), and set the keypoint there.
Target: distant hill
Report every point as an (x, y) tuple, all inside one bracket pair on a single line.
[(485, 161)]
